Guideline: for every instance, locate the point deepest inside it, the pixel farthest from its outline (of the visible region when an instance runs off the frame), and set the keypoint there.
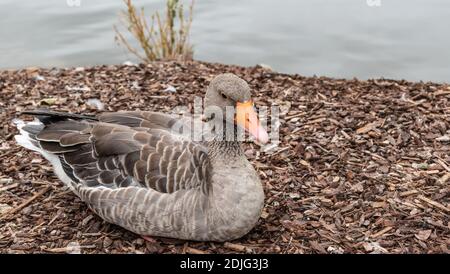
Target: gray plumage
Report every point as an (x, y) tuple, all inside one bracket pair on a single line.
[(133, 170)]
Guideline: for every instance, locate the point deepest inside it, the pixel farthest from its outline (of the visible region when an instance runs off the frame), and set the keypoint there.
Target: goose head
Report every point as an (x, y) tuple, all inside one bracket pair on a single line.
[(228, 101)]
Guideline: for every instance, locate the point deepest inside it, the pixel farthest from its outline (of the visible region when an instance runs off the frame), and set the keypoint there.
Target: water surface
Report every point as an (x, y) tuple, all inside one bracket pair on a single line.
[(400, 39)]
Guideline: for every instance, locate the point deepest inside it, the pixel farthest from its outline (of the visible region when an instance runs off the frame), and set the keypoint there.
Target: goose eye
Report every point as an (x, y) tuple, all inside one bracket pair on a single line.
[(224, 96)]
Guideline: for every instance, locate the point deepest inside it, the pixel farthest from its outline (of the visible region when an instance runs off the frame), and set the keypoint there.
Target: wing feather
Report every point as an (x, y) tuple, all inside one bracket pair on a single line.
[(127, 149)]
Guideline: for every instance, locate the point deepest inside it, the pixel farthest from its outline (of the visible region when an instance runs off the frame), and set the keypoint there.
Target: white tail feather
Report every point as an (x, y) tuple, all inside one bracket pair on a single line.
[(24, 140)]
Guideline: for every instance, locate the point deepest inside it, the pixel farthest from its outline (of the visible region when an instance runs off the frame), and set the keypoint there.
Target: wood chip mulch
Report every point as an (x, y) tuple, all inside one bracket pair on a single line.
[(362, 167)]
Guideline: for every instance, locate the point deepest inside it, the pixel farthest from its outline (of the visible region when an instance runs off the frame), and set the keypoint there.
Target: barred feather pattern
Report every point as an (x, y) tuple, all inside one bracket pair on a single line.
[(132, 170)]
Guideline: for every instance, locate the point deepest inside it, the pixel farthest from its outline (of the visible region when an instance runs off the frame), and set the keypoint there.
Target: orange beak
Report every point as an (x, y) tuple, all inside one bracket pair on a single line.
[(246, 118)]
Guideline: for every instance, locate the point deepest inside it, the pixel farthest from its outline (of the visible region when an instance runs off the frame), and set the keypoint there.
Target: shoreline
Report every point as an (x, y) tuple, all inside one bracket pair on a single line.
[(262, 66)]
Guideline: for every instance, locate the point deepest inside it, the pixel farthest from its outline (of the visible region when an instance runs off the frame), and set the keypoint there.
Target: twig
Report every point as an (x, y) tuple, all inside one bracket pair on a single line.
[(9, 187), (68, 249), (295, 115), (54, 218), (381, 232), (433, 203), (279, 151), (441, 92), (6, 180), (237, 247), (94, 234), (27, 202), (409, 192), (36, 227), (442, 163), (191, 250), (346, 136), (58, 195)]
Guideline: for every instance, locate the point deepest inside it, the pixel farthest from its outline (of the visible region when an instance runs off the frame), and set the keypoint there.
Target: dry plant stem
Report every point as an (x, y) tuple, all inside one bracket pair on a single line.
[(25, 203), (160, 39)]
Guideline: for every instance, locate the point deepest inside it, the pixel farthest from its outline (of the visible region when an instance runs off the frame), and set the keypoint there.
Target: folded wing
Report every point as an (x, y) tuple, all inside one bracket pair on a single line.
[(127, 149)]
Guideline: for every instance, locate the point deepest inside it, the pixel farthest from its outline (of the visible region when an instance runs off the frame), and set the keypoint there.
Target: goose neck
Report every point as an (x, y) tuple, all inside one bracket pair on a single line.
[(225, 150)]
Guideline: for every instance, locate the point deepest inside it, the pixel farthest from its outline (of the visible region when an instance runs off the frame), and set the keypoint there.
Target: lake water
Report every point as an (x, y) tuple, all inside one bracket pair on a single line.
[(400, 39)]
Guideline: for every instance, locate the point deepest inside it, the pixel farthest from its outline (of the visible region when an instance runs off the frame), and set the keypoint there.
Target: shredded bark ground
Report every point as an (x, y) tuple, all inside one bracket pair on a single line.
[(362, 166)]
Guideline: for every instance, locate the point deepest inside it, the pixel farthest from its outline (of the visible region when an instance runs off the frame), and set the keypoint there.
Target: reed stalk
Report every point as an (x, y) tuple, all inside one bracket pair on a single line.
[(159, 38)]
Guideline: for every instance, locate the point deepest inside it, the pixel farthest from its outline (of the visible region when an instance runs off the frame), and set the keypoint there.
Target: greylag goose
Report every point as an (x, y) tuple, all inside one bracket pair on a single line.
[(134, 170)]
